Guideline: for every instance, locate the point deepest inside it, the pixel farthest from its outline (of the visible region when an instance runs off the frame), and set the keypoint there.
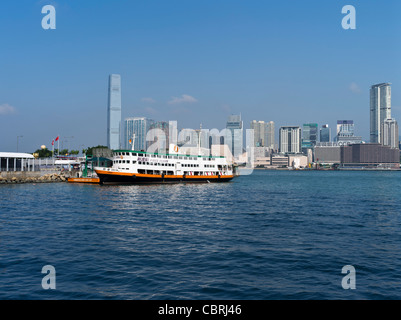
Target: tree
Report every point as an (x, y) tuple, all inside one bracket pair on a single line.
[(44, 153)]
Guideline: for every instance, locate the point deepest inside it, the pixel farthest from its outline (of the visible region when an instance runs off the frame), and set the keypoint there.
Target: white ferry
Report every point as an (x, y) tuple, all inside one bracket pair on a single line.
[(132, 167)]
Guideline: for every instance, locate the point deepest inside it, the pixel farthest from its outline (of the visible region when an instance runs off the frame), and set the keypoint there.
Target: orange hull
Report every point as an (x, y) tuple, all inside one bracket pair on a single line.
[(84, 180)]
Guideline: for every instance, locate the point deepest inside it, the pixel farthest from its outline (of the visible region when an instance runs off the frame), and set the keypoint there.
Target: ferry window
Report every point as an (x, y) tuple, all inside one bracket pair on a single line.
[(128, 161), (140, 155)]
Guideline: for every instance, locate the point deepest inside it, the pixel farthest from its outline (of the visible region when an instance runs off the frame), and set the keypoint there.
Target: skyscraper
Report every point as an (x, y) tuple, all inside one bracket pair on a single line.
[(389, 133), (114, 112), (325, 133), (234, 135), (290, 139), (269, 135), (135, 133), (159, 136), (380, 109), (263, 133), (309, 135), (258, 128)]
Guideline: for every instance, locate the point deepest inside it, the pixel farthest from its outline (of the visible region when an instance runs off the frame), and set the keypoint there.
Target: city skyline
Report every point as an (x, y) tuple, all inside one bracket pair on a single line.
[(202, 68)]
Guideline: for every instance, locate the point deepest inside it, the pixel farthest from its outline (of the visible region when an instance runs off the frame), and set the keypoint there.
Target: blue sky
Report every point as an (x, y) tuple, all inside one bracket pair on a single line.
[(191, 61)]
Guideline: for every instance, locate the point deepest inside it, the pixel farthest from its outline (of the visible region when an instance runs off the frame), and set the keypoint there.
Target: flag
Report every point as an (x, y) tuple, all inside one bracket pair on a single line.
[(56, 139), (53, 142)]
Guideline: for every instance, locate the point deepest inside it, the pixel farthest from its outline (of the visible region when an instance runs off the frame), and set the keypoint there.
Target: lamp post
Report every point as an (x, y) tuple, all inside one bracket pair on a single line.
[(67, 142), (18, 141)]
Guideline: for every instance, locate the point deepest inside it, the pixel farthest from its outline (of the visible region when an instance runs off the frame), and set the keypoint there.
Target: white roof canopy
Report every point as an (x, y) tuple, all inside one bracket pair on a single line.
[(16, 155)]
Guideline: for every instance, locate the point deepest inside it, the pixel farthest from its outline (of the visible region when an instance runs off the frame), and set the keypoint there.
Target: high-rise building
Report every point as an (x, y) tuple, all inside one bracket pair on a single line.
[(309, 135), (263, 133), (234, 135), (389, 133), (114, 112), (135, 133), (158, 135), (258, 128), (380, 109), (290, 139), (345, 133), (325, 133), (269, 135)]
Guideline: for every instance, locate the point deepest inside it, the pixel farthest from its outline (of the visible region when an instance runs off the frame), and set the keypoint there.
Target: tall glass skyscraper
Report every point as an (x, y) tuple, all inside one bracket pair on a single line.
[(325, 133), (135, 133), (380, 109), (309, 135), (234, 135), (114, 112)]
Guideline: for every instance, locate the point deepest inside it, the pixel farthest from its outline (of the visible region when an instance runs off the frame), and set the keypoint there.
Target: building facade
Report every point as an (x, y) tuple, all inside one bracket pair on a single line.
[(135, 132), (158, 136), (263, 133), (389, 133), (270, 139), (290, 139), (309, 135), (325, 133), (114, 112), (369, 155), (328, 153), (345, 133), (380, 109), (234, 135)]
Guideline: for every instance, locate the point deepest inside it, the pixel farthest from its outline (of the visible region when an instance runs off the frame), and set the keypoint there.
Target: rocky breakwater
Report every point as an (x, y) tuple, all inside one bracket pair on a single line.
[(50, 177)]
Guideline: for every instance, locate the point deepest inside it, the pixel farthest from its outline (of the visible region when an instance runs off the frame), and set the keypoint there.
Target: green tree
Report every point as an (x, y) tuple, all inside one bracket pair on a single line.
[(44, 153)]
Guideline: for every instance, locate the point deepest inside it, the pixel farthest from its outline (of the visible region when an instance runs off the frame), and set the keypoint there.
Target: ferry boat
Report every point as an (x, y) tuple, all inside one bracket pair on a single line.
[(135, 167)]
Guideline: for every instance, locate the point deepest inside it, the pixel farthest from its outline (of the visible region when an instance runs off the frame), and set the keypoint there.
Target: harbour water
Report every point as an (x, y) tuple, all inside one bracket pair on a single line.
[(270, 235)]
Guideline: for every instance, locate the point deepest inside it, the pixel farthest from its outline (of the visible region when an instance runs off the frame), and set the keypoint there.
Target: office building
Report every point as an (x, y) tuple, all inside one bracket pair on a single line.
[(290, 139), (325, 133), (158, 136), (309, 135), (263, 133), (114, 112), (135, 133), (380, 109), (234, 135), (389, 133), (269, 135), (258, 128), (345, 133)]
